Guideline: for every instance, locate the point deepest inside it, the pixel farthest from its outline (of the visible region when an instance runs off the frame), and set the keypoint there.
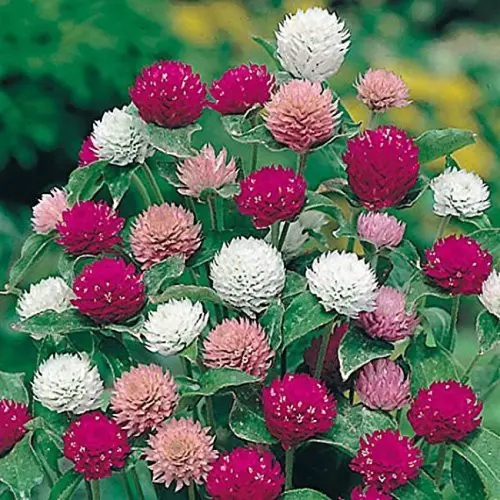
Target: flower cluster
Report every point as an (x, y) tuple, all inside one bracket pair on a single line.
[(13, 417)]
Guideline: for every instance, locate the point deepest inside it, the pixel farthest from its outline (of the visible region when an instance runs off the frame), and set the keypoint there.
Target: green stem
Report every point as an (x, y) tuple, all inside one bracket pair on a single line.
[(302, 160), (191, 492), (213, 220), (282, 238), (275, 231), (352, 240), (143, 192), (289, 458), (440, 464), (442, 227), (372, 120), (219, 213), (374, 262), (186, 367), (154, 184), (95, 490), (88, 490), (322, 351), (210, 413), (455, 307), (137, 484), (472, 363), (283, 362), (126, 486), (255, 154)]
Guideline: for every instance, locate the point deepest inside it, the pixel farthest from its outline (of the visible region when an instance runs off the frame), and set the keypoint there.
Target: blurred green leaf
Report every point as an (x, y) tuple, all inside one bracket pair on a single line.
[(489, 239), (84, 182), (118, 179), (487, 331), (415, 193), (294, 285), (12, 387), (164, 272), (272, 322), (418, 287), (269, 47), (192, 292), (66, 485), (420, 488), (434, 144), (173, 141), (436, 322), (466, 481), (323, 204), (303, 494)]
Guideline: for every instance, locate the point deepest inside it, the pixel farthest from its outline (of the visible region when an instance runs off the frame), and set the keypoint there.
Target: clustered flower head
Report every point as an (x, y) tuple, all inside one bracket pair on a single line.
[(13, 417), (370, 493), (458, 265), (490, 294), (382, 166), (88, 153), (169, 94), (271, 194), (143, 397), (446, 411), (47, 213), (380, 229)]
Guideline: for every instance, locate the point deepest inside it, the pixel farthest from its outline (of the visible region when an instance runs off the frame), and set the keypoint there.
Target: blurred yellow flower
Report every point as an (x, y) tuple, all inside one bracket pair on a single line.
[(192, 23)]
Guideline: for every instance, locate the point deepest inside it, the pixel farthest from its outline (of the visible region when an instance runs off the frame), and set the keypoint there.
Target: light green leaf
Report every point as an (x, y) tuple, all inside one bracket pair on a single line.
[(303, 494), (66, 486), (194, 293), (421, 488), (174, 142), (118, 179), (489, 239), (269, 47), (84, 182), (12, 387), (294, 285), (466, 481), (414, 193), (436, 323), (485, 377), (405, 263), (323, 204), (163, 272), (418, 287), (434, 144), (488, 331), (272, 322)]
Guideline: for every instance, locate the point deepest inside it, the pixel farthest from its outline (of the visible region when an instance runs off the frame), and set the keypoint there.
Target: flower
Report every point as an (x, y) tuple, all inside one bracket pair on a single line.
[(271, 194), (109, 291), (343, 282), (302, 115), (297, 407), (240, 344), (381, 90), (89, 227), (458, 265), (48, 211), (241, 88), (382, 166), (370, 493), (247, 273), (460, 193), (389, 320), (206, 171), (446, 411), (13, 417), (88, 153), (312, 44), (96, 445), (490, 295), (245, 473), (386, 459), (169, 94), (382, 230), (143, 397), (173, 326), (181, 452), (162, 231), (68, 382)]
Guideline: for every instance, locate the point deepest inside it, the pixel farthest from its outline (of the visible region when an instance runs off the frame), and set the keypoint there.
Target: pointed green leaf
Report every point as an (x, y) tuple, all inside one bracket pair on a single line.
[(488, 331), (272, 322), (434, 144), (12, 387), (163, 272), (294, 285), (418, 287), (303, 494), (84, 182), (173, 141), (269, 47), (118, 179), (421, 488), (323, 204), (414, 193), (436, 322), (66, 486), (194, 293), (489, 239), (466, 480), (405, 263)]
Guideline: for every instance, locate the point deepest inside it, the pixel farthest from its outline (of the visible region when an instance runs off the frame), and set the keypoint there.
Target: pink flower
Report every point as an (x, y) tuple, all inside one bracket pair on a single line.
[(382, 230), (13, 417), (370, 493), (47, 213), (88, 153)]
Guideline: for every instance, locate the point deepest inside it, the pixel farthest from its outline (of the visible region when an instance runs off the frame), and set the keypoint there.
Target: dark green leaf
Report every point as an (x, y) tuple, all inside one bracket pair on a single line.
[(405, 263), (418, 287), (117, 179), (303, 494), (489, 239), (168, 170), (323, 204), (172, 141), (195, 293), (116, 356), (47, 453), (163, 272), (421, 488), (434, 144), (488, 331), (272, 322), (341, 187), (84, 182), (294, 285), (466, 481), (414, 193), (485, 377), (436, 323), (66, 486), (12, 387)]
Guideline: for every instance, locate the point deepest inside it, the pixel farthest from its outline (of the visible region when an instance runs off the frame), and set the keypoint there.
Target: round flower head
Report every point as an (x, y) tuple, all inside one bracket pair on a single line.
[(312, 44), (241, 88), (240, 344), (343, 282), (181, 452), (271, 194), (386, 459), (206, 170), (446, 411), (389, 320), (245, 473), (490, 295), (381, 90), (162, 231), (68, 382), (370, 493), (143, 398), (297, 407), (382, 230), (89, 227), (173, 326), (460, 193), (247, 274), (458, 265), (88, 153), (109, 291), (382, 166), (47, 213), (13, 417), (96, 445), (302, 115), (169, 94)]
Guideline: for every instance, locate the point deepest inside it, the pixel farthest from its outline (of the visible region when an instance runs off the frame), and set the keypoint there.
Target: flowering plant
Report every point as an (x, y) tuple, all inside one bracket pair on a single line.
[(217, 335)]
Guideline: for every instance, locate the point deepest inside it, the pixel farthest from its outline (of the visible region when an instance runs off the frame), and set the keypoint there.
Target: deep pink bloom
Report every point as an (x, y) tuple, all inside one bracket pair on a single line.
[(370, 493), (47, 213), (109, 291), (13, 417), (88, 153), (271, 194), (446, 411), (382, 166), (241, 88), (382, 230), (169, 94), (458, 264)]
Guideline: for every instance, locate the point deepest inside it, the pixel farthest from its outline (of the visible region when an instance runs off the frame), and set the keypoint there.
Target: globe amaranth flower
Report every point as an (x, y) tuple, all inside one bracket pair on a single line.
[(389, 320), (239, 344), (13, 417), (343, 282), (297, 407), (181, 452), (312, 44), (382, 166), (386, 459), (173, 326), (68, 382), (241, 88), (169, 94), (490, 294), (162, 231), (271, 194), (89, 227), (247, 273), (245, 473), (302, 115), (109, 291), (446, 411), (370, 493), (47, 213), (96, 445), (88, 153), (143, 397), (205, 171), (460, 193), (458, 265), (382, 230)]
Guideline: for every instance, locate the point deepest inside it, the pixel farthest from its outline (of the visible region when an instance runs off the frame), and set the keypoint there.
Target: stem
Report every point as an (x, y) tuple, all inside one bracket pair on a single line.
[(440, 464), (372, 120), (374, 262), (137, 484), (322, 352), (284, 232), (455, 307), (186, 367), (219, 213), (352, 240), (88, 490), (95, 490), (210, 413), (191, 492), (154, 184), (302, 163), (467, 371), (143, 192), (275, 230), (126, 486), (442, 227), (289, 458), (253, 160), (213, 220)]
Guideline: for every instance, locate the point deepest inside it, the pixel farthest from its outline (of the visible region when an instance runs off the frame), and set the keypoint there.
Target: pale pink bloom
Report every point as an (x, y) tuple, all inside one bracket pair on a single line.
[(381, 229), (47, 213)]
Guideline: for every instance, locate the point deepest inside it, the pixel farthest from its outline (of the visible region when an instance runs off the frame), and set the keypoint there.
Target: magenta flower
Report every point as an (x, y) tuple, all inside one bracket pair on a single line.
[(13, 417), (88, 153)]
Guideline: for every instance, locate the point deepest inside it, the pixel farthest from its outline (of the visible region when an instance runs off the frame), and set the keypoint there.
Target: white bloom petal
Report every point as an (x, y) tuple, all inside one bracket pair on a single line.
[(490, 296)]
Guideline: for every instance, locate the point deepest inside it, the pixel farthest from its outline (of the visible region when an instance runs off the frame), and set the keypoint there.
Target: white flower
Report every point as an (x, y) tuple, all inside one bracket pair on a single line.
[(247, 274), (68, 382), (343, 282), (173, 326), (312, 44), (490, 296), (460, 193)]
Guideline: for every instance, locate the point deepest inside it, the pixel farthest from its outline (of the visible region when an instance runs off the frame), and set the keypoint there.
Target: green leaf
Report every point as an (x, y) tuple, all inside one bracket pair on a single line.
[(488, 331), (192, 292), (269, 47), (489, 239), (66, 486), (118, 179), (47, 453), (466, 481), (303, 494), (436, 323), (485, 377), (174, 142), (12, 387), (190, 352), (405, 263), (272, 322), (294, 285), (341, 187), (434, 144), (163, 272), (84, 182), (323, 204), (414, 193), (418, 287), (421, 488), (168, 170), (116, 356)]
